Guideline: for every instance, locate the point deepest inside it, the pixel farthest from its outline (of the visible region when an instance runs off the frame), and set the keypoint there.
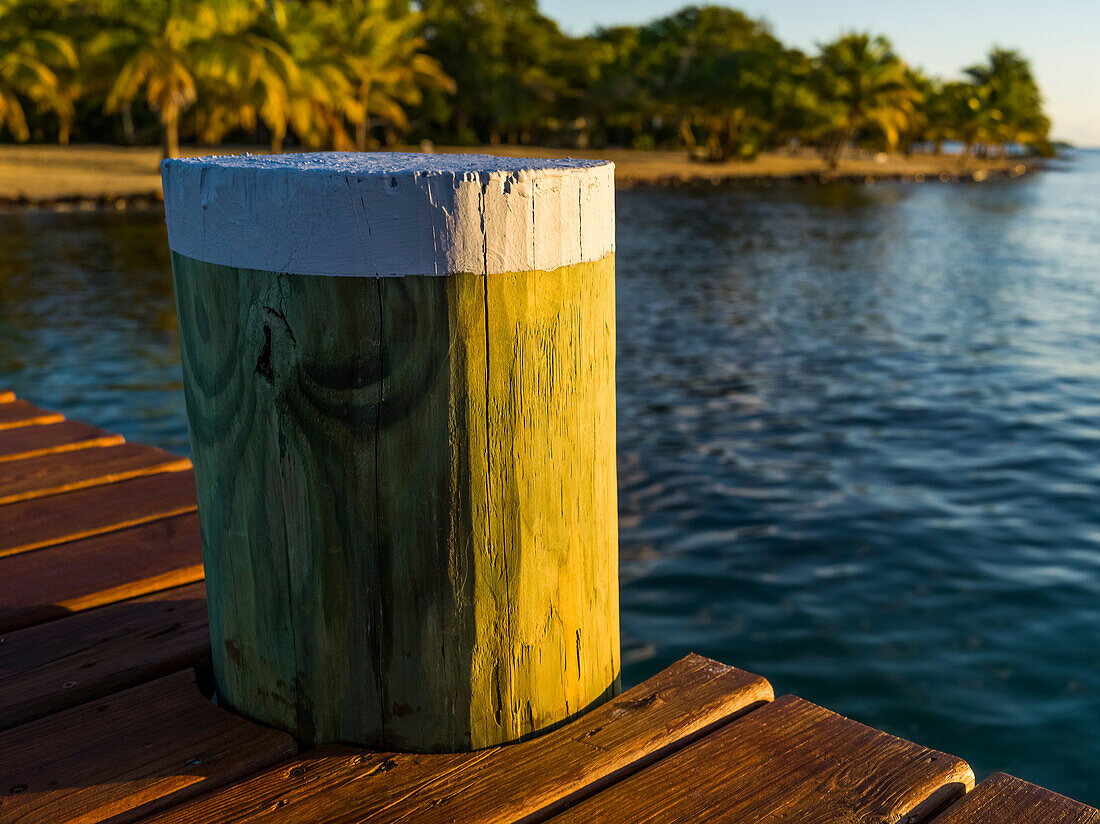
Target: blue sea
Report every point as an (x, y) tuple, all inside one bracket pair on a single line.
[(859, 437)]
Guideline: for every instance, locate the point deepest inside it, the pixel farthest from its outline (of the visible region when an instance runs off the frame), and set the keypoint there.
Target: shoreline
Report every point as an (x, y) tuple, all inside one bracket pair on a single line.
[(96, 177)]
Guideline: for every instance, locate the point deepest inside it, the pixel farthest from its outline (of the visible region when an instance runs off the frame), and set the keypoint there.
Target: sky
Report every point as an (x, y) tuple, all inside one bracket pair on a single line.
[(941, 36)]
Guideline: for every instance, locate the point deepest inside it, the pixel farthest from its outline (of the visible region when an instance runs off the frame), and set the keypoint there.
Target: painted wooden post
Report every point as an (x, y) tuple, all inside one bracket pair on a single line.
[(399, 374)]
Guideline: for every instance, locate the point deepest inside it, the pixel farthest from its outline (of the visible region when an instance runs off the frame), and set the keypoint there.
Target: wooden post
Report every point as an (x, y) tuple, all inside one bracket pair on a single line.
[(399, 373)]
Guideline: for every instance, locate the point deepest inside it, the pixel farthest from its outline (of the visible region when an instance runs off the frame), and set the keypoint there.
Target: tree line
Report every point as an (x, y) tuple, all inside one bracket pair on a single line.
[(360, 74)]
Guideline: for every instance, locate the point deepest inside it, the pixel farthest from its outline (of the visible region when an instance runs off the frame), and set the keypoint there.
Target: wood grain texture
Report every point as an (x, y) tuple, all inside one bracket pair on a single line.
[(33, 441), (56, 581), (52, 667), (519, 782), (1002, 799), (397, 580), (553, 514), (54, 474), (97, 510), (790, 761), (282, 385), (15, 414), (129, 755), (432, 498)]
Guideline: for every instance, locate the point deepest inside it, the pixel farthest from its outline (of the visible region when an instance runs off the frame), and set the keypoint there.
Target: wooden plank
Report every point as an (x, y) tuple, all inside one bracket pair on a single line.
[(53, 582), (1002, 799), (789, 761), (44, 522), (501, 784), (122, 757), (49, 668), (20, 413), (33, 441), (54, 474)]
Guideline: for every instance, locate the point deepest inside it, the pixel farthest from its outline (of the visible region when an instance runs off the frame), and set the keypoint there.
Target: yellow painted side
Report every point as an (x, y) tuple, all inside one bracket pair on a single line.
[(552, 489)]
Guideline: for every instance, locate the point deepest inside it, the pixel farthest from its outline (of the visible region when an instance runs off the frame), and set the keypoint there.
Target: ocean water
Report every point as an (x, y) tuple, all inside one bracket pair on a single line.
[(859, 437)]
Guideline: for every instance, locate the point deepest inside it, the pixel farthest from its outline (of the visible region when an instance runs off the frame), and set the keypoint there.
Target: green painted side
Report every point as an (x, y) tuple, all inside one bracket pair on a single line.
[(407, 497)]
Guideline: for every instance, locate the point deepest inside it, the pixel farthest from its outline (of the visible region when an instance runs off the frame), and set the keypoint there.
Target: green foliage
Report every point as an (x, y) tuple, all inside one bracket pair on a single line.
[(513, 68), (35, 68), (361, 73), (375, 56), (864, 88), (168, 52), (1009, 104), (716, 71), (215, 67)]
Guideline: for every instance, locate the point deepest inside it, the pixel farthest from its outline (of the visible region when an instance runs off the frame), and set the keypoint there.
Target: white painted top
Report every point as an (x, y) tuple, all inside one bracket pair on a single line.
[(389, 214)]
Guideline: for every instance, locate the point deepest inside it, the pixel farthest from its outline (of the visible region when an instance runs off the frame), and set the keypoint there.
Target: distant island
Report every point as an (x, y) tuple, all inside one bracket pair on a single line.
[(708, 82)]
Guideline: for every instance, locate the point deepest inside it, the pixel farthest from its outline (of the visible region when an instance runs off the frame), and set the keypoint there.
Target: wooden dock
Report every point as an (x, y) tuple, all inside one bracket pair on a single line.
[(105, 714)]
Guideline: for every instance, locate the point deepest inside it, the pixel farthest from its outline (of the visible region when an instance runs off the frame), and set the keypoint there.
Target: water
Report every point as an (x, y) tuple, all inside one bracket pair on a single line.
[(859, 432)]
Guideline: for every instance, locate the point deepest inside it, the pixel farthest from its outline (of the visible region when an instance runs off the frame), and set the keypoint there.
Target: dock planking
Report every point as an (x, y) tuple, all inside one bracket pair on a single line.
[(790, 760), (97, 510), (78, 575), (54, 474), (128, 755), (99, 703), (1001, 799), (51, 438), (55, 666), (527, 781), (17, 413)]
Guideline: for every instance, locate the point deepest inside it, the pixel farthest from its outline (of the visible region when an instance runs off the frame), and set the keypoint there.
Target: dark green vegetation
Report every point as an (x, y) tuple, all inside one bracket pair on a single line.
[(369, 73)]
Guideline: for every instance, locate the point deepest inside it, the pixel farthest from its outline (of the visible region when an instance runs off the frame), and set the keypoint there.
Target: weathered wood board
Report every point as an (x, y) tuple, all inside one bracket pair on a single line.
[(54, 474), (51, 438), (790, 761), (513, 783), (56, 581), (54, 666), (126, 756), (424, 524), (1002, 799), (16, 413), (43, 522)]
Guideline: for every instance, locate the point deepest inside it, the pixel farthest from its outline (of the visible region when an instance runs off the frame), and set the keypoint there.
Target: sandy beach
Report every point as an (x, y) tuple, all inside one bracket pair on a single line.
[(120, 176)]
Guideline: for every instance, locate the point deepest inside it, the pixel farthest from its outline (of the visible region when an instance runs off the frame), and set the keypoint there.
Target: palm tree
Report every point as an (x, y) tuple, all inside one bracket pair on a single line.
[(251, 81), (919, 125), (322, 98), (384, 59), (938, 115), (31, 62), (864, 86), (1012, 98), (167, 50), (359, 62), (967, 116)]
